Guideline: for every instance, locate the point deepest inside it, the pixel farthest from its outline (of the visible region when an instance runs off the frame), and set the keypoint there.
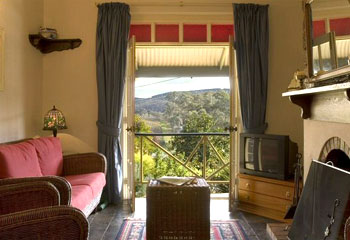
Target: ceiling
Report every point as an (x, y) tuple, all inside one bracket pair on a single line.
[(182, 56), (330, 4)]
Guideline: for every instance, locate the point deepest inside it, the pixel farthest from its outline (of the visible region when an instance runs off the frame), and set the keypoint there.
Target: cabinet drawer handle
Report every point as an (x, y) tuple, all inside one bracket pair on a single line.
[(247, 197), (247, 185), (287, 194)]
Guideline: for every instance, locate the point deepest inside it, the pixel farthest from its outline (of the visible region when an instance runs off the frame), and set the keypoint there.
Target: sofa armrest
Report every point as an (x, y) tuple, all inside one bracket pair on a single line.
[(24, 196), (58, 222), (62, 185), (84, 163)]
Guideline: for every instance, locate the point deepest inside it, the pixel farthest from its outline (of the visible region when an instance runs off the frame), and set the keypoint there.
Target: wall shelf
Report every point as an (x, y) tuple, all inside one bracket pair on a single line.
[(50, 45)]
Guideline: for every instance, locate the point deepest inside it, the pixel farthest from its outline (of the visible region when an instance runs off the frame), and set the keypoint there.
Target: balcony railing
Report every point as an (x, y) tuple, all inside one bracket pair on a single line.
[(209, 159)]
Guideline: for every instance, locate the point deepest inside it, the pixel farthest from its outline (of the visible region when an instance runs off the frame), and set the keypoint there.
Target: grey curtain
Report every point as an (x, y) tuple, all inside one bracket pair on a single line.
[(252, 46), (113, 26)]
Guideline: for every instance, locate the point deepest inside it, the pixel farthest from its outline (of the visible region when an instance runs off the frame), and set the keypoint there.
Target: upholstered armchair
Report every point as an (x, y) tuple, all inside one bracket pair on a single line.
[(30, 210)]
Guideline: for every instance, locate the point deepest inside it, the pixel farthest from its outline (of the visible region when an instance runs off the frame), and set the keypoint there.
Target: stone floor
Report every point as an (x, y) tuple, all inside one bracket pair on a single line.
[(104, 225)]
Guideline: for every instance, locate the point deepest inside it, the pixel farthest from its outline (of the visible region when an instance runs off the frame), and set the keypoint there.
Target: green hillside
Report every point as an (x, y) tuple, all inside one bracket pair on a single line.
[(168, 112)]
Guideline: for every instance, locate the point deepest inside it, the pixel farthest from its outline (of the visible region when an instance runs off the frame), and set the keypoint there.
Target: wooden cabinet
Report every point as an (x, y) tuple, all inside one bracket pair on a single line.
[(264, 196)]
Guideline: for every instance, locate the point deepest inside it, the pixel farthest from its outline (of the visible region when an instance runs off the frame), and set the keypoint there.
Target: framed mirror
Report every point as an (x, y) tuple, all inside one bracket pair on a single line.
[(329, 43)]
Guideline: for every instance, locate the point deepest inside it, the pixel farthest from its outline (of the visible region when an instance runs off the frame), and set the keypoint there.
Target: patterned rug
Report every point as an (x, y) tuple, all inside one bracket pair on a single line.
[(233, 229)]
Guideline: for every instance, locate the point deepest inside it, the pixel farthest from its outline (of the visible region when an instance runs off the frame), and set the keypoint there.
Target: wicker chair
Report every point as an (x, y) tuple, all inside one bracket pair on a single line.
[(57, 222), (30, 210), (61, 186)]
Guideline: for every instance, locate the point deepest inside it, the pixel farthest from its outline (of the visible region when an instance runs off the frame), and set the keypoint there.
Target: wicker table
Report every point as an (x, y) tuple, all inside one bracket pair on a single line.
[(178, 212)]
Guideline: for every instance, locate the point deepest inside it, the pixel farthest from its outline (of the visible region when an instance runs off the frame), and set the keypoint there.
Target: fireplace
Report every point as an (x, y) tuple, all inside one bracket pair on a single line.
[(336, 150), (326, 141), (326, 114)]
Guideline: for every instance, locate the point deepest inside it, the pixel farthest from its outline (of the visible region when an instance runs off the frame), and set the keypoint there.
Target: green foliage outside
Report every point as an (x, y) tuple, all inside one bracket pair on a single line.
[(185, 112)]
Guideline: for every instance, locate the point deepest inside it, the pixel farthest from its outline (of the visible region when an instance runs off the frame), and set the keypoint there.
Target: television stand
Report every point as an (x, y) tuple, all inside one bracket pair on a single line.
[(265, 197)]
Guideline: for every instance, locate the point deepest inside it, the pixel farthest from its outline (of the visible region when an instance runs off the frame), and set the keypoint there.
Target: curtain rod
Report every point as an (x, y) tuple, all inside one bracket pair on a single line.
[(179, 4)]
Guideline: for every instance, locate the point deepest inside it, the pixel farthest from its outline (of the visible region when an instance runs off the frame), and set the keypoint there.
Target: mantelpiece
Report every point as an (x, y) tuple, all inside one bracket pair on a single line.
[(325, 103)]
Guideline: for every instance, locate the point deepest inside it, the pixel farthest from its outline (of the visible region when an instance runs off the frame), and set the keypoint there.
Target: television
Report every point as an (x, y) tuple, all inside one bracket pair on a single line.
[(271, 156)]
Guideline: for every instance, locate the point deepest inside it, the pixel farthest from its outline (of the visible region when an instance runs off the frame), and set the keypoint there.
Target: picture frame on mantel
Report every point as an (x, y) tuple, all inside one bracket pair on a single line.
[(2, 59)]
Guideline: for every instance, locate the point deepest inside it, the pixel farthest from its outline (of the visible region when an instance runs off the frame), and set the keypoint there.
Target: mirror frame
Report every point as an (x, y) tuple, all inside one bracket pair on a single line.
[(309, 49), (308, 37)]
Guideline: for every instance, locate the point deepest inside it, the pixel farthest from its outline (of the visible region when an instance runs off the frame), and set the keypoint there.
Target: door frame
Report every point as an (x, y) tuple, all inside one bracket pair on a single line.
[(128, 127), (235, 127), (129, 193)]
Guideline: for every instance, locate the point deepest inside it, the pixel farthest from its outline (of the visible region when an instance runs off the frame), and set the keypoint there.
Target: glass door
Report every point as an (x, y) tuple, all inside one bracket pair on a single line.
[(234, 129), (129, 127)]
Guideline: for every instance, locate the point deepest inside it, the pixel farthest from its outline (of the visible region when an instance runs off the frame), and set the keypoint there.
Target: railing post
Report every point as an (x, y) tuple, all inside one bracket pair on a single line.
[(141, 159), (204, 167)]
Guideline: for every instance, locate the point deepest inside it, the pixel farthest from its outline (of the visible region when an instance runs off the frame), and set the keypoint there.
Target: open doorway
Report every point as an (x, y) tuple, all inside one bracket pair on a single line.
[(182, 116)]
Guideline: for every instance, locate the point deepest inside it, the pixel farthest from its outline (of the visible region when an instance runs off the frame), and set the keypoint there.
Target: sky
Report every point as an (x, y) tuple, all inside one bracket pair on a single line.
[(148, 87)]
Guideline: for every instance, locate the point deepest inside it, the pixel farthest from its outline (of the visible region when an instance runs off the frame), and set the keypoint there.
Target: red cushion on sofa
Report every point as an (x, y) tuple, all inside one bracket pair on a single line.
[(81, 196), (50, 157), (19, 160), (96, 181)]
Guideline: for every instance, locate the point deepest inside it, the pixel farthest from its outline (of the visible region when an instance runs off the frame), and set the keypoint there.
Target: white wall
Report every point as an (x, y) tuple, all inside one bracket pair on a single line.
[(70, 76), (20, 102)]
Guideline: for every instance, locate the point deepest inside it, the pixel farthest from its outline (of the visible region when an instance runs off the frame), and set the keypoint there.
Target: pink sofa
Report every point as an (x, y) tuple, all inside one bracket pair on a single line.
[(78, 178)]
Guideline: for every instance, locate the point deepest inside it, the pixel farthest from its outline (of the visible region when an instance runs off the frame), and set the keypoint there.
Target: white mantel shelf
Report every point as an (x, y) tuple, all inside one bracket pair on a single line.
[(326, 103), (318, 90), (322, 103), (329, 75)]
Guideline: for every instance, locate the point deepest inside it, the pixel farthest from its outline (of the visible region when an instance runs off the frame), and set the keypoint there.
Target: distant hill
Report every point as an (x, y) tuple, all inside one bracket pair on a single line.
[(158, 103)]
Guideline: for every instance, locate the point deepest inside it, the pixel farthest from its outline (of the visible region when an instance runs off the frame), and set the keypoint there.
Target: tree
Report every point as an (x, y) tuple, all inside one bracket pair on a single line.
[(202, 122), (215, 104), (142, 127)]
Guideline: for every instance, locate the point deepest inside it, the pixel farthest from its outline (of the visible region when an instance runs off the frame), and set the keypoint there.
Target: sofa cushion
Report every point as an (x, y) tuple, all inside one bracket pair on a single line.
[(81, 196), (19, 160), (50, 157), (96, 181)]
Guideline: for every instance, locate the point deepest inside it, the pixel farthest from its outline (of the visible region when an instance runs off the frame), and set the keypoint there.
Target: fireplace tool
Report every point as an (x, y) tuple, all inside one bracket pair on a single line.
[(296, 195)]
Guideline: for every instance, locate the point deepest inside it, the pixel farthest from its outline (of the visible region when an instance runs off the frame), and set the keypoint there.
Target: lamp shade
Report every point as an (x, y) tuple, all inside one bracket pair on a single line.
[(54, 120)]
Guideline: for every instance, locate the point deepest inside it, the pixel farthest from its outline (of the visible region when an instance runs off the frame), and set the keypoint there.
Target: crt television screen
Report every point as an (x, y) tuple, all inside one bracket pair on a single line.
[(262, 155)]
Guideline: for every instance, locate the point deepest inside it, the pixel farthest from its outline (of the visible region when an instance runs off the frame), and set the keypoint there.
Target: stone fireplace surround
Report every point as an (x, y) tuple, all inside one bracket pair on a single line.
[(320, 137)]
